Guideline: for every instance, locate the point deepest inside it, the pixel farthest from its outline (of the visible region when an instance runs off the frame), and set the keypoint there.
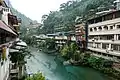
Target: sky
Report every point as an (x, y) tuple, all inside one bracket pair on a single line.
[(34, 9)]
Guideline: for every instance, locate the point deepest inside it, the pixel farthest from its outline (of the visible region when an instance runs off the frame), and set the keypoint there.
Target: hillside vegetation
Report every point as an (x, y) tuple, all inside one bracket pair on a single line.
[(25, 20), (68, 12)]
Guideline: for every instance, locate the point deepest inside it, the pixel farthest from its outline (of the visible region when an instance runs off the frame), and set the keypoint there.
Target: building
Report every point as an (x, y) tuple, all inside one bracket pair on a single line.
[(34, 25), (59, 28), (9, 32), (104, 35), (80, 32), (117, 3), (62, 38)]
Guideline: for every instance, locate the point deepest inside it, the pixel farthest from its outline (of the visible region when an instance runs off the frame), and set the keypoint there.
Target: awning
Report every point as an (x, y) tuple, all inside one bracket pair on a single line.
[(21, 43), (13, 50), (5, 27)]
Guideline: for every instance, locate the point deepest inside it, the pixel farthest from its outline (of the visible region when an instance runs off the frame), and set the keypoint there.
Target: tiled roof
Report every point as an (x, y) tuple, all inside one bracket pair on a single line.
[(6, 28)]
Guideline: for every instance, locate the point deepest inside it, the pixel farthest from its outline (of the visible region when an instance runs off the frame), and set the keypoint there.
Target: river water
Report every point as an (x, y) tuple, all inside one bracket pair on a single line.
[(53, 69)]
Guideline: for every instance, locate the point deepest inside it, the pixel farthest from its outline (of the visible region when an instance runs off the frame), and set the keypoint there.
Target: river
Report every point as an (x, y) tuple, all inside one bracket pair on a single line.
[(53, 69)]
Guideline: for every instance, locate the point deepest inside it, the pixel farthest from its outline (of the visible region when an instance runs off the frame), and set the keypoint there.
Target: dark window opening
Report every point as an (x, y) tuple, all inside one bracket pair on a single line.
[(118, 37), (111, 27), (100, 28), (106, 27), (91, 30), (105, 46), (118, 26), (117, 14), (95, 29)]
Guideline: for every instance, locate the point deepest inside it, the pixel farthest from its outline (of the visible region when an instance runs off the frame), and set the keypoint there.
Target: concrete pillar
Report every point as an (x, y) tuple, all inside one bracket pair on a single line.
[(115, 37), (101, 45), (115, 27), (102, 28), (93, 44), (109, 46), (97, 28), (108, 27), (93, 29)]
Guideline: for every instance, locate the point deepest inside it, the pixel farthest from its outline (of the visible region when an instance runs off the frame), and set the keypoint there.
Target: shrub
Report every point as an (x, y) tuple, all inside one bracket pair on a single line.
[(37, 76)]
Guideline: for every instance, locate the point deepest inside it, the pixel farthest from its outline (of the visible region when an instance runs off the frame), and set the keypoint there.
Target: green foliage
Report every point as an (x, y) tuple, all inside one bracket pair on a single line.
[(65, 51), (96, 62), (50, 44), (19, 56), (68, 12), (69, 50), (25, 20), (37, 76)]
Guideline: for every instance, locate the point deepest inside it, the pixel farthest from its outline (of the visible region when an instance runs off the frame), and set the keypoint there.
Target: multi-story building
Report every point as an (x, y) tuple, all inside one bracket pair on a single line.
[(80, 32), (59, 28), (104, 35), (9, 27), (34, 25)]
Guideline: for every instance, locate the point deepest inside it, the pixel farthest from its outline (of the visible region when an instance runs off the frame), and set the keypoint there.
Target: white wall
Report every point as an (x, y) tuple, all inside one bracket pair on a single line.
[(5, 15)]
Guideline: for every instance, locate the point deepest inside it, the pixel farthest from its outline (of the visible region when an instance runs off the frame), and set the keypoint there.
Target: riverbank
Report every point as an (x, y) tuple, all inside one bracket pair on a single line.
[(76, 56), (99, 64)]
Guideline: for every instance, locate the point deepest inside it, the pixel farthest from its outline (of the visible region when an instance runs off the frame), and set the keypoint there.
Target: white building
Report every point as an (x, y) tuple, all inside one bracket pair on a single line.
[(104, 35)]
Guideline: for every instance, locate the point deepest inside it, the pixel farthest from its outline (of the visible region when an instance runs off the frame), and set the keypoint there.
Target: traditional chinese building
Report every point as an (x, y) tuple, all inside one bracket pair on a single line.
[(9, 32), (81, 33)]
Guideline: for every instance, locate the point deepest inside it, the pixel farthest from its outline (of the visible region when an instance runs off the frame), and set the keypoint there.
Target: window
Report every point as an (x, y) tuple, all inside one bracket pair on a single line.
[(111, 27), (110, 37), (91, 30), (105, 27), (118, 26), (106, 37), (116, 47), (100, 28), (95, 29), (105, 46), (119, 37), (90, 44), (98, 45)]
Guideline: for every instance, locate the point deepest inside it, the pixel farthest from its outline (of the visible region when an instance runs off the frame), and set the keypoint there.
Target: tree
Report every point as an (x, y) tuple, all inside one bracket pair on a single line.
[(66, 16)]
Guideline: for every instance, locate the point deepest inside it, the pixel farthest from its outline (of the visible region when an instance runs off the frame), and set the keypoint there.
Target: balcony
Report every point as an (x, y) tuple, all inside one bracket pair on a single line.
[(108, 22), (106, 57), (106, 41), (114, 53), (105, 32), (14, 22)]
